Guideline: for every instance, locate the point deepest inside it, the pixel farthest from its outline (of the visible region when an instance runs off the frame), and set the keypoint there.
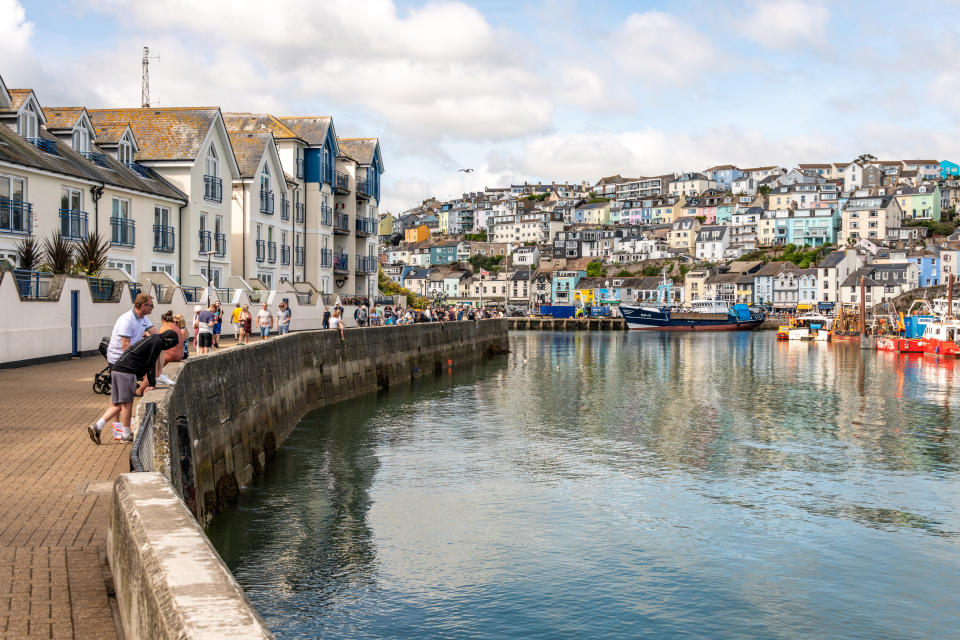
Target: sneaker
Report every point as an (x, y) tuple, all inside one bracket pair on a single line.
[(94, 434), (128, 438), (163, 379)]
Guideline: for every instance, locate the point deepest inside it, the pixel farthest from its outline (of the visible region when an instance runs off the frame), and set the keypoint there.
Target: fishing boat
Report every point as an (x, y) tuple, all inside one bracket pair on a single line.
[(914, 326), (941, 338), (702, 315), (846, 326)]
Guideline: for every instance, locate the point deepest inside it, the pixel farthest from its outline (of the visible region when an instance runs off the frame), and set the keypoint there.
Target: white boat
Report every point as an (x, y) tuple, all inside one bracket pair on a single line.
[(810, 326)]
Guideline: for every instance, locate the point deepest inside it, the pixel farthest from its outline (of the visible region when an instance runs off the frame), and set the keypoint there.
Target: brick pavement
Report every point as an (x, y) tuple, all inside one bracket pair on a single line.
[(54, 503)]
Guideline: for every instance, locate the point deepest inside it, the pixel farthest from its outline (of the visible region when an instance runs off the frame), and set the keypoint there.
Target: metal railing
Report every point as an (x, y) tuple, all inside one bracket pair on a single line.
[(326, 215), (101, 289), (32, 284), (164, 239), (212, 189), (44, 144), (123, 232), (206, 240), (141, 454), (284, 208), (363, 187), (141, 170), (341, 223), (341, 262), (299, 254), (73, 224), (192, 295), (261, 250), (225, 294), (266, 202), (366, 264), (366, 226), (300, 212), (304, 297), (16, 217), (220, 244), (326, 258), (285, 254), (95, 157), (271, 252), (341, 182)]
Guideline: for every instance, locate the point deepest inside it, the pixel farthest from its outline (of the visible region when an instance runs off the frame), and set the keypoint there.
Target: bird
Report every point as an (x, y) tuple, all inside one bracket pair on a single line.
[(465, 170)]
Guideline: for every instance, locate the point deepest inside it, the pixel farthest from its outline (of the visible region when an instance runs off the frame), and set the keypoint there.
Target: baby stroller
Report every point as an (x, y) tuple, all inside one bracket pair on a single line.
[(101, 381)]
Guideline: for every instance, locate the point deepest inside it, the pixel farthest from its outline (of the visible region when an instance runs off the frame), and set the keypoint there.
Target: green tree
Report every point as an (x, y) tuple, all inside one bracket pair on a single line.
[(765, 189), (651, 270), (595, 269), (624, 273), (475, 237)]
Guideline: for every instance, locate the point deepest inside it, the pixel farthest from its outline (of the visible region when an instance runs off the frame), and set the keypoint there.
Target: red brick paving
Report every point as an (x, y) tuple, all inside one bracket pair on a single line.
[(54, 503)]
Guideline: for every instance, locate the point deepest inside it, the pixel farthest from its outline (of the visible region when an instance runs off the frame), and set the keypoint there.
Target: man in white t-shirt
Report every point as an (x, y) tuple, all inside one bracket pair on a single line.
[(130, 327)]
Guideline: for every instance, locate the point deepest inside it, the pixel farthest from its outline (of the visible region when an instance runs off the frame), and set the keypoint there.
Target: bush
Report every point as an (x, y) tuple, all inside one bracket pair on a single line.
[(624, 273), (595, 269)]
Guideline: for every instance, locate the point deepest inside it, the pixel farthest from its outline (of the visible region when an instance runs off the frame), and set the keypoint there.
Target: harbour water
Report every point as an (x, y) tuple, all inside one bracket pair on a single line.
[(591, 485)]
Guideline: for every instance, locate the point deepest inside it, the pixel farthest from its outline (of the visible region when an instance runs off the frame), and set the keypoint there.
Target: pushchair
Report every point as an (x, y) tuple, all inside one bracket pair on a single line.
[(101, 381)]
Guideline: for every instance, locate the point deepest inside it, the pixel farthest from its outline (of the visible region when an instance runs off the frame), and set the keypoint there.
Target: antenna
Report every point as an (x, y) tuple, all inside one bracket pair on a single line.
[(145, 82)]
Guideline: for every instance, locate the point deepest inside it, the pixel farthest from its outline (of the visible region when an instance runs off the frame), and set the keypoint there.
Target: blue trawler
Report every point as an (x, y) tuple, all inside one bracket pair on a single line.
[(704, 315)]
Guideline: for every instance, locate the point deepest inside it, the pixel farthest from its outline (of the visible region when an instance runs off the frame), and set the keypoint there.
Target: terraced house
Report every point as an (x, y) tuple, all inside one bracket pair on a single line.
[(59, 173)]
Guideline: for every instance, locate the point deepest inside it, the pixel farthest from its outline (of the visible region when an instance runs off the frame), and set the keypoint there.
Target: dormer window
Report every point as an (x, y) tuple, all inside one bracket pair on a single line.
[(81, 139), (125, 151), (27, 123), (265, 179)]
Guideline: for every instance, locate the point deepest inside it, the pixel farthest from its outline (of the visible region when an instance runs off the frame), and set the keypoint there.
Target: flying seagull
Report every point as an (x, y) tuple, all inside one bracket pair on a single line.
[(465, 170)]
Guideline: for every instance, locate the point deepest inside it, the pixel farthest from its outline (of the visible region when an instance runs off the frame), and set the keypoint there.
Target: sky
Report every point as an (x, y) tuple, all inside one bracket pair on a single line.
[(541, 91)]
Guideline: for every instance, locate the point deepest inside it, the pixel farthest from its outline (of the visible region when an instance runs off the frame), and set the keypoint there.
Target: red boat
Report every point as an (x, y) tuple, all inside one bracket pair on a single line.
[(888, 343), (910, 345), (939, 339)]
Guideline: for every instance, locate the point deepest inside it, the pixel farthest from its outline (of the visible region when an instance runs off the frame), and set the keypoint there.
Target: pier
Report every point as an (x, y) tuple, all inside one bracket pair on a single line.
[(567, 324)]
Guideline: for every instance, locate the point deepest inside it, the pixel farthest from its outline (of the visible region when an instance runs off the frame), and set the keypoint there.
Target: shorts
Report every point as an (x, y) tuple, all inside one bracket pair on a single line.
[(204, 340), (282, 329), (122, 387), (264, 332), (216, 328)]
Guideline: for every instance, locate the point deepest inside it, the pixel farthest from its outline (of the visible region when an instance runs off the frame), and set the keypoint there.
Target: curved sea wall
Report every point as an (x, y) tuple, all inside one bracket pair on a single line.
[(218, 426)]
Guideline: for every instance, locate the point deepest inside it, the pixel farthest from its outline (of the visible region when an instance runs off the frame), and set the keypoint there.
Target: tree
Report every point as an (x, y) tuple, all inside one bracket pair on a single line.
[(624, 273), (651, 270), (866, 157), (595, 269), (765, 189), (91, 255)]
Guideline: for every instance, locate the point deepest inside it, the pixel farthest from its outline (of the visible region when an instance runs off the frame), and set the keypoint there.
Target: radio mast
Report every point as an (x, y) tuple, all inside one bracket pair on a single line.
[(145, 82)]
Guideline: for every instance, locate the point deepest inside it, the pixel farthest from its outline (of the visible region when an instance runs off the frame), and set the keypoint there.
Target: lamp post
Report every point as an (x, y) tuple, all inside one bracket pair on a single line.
[(209, 254)]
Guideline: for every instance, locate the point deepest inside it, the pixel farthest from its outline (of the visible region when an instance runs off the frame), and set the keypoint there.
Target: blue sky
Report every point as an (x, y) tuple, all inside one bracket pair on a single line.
[(560, 90)]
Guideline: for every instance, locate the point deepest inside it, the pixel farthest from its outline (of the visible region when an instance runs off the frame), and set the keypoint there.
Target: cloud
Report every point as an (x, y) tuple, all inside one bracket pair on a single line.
[(787, 24), (658, 46), (440, 71)]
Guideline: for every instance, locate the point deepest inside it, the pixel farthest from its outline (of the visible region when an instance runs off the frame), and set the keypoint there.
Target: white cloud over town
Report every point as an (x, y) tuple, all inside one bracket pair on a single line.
[(787, 24)]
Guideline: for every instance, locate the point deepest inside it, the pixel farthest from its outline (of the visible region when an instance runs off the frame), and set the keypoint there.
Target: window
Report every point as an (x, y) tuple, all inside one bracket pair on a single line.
[(162, 266), (265, 179), (71, 199), (125, 151), (121, 208), (81, 139), (161, 216), (124, 265), (215, 274), (211, 163), (27, 125)]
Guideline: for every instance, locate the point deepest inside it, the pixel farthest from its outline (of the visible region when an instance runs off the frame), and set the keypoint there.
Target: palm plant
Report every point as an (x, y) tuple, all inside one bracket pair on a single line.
[(91, 255), (28, 254), (58, 253)]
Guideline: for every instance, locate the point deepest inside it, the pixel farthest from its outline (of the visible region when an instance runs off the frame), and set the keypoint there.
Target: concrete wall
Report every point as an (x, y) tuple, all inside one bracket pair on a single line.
[(170, 581), (239, 405), (35, 330)]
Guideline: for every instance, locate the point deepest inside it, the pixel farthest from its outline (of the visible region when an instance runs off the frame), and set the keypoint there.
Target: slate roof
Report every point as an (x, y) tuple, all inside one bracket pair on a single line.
[(17, 98), (832, 259), (248, 148), (312, 129), (172, 133), (712, 233), (66, 161), (258, 123), (360, 149), (62, 117), (520, 274)]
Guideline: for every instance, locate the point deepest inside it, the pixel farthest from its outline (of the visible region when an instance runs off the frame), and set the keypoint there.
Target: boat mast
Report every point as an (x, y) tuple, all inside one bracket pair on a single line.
[(862, 324)]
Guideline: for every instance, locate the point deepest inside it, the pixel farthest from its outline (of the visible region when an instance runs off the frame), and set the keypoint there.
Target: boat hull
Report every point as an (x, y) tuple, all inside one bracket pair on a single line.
[(644, 319)]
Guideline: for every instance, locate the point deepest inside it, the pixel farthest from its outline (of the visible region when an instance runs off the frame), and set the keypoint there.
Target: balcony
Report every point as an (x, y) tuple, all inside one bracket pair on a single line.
[(341, 183), (163, 238), (140, 170), (73, 224), (365, 227), (220, 244), (300, 168), (123, 233), (300, 212), (285, 255), (341, 262), (94, 157), (326, 258), (16, 217), (299, 256), (326, 215), (341, 224), (284, 208), (363, 188), (212, 189), (366, 264), (272, 252), (266, 202), (206, 241), (44, 144), (261, 250)]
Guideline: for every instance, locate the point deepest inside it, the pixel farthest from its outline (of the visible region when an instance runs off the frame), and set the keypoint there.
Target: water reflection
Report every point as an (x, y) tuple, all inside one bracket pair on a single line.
[(592, 485)]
